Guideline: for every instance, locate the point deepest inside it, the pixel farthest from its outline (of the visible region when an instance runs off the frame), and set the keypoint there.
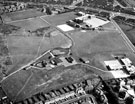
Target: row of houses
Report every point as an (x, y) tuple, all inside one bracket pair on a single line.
[(12, 8), (65, 94)]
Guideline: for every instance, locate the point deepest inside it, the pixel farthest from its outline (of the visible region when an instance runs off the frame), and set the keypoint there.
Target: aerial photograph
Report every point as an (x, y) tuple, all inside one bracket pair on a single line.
[(67, 51)]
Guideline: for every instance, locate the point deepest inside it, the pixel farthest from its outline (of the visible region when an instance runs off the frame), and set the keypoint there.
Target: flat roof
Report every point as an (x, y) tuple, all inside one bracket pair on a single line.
[(65, 27), (119, 74), (113, 64), (96, 22), (127, 61)]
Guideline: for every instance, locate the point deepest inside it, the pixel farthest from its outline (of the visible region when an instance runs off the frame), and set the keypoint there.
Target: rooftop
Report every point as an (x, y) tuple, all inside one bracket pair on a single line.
[(113, 64)]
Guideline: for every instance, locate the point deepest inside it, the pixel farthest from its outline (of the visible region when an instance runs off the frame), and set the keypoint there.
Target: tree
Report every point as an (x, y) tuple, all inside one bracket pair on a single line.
[(48, 11), (129, 100)]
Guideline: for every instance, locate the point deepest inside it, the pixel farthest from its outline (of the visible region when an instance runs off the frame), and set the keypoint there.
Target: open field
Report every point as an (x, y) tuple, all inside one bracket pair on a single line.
[(30, 24), (44, 80), (22, 15), (130, 2), (60, 19), (23, 48), (98, 46), (129, 31)]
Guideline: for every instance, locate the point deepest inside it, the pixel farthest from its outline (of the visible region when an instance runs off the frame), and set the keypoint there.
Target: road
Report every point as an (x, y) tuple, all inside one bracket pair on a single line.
[(25, 66), (72, 41), (105, 74), (128, 42)]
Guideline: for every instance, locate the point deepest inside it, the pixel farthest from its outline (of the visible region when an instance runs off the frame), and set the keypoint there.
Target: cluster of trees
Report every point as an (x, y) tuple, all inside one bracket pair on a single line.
[(111, 95)]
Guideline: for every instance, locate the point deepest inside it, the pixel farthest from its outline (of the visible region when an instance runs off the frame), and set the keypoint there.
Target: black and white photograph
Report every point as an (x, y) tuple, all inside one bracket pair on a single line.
[(67, 51)]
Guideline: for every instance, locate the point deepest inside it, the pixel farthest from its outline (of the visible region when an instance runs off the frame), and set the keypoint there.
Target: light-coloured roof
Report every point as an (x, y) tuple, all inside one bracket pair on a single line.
[(126, 61), (119, 74), (113, 64), (83, 17), (95, 22), (65, 27)]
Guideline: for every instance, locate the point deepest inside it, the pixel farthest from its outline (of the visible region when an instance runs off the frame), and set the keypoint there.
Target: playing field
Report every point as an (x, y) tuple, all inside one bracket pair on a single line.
[(24, 46), (22, 15), (98, 46), (60, 19), (30, 24)]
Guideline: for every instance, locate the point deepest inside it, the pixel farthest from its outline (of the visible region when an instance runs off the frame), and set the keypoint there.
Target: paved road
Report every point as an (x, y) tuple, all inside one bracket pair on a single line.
[(128, 42), (25, 66)]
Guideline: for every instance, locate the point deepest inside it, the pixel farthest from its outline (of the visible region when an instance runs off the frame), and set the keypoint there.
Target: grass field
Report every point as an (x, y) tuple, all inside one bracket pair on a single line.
[(130, 2), (60, 19), (30, 24), (43, 80), (22, 15), (97, 46), (129, 31), (23, 46)]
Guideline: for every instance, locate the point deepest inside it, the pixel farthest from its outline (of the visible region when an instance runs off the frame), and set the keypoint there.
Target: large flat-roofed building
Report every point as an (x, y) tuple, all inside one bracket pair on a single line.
[(65, 27), (113, 64), (129, 66), (92, 20), (95, 22), (126, 61)]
